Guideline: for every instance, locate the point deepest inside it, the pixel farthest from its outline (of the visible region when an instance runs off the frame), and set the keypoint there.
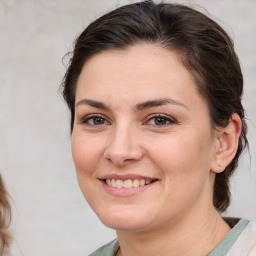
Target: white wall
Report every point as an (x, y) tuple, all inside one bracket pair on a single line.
[(51, 216)]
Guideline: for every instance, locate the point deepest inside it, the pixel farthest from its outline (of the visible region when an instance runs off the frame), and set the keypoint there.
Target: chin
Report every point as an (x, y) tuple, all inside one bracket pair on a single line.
[(124, 221)]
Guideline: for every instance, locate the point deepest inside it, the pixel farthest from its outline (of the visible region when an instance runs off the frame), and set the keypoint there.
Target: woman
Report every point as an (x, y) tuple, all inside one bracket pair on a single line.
[(157, 128)]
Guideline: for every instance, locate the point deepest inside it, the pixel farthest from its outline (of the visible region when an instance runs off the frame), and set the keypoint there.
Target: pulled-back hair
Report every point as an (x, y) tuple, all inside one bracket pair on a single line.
[(203, 46)]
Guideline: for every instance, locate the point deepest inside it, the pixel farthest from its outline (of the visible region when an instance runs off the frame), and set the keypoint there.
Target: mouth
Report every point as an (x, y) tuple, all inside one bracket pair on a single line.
[(128, 183)]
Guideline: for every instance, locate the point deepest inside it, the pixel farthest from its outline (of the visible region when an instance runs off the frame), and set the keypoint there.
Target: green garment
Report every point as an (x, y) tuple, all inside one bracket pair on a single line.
[(227, 242), (222, 249), (107, 250)]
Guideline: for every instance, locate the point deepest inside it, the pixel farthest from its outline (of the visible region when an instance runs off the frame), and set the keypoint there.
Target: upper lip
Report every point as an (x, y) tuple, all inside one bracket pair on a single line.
[(126, 177)]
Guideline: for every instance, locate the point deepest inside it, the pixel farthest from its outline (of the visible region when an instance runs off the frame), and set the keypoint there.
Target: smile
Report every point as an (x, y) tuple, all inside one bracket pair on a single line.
[(129, 183)]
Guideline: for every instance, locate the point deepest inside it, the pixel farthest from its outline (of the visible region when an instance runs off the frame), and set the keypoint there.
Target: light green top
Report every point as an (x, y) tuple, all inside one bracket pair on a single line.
[(222, 249), (227, 242), (107, 250)]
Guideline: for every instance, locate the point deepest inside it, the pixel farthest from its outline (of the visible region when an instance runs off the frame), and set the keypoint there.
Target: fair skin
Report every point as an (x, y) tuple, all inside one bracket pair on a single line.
[(141, 121)]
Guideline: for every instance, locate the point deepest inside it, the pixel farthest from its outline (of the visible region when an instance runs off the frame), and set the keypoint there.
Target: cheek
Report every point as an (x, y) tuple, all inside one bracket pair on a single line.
[(85, 154), (184, 157)]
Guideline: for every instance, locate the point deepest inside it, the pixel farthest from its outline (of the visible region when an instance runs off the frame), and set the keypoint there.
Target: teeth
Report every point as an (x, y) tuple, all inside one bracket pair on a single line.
[(109, 182), (142, 182), (119, 183), (113, 183), (136, 183), (127, 183)]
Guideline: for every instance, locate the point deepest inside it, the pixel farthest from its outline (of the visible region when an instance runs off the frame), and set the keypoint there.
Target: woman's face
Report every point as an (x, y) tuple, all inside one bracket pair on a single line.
[(142, 143)]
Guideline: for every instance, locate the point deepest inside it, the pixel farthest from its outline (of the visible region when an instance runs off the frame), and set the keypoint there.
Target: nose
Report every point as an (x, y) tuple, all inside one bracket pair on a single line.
[(123, 147)]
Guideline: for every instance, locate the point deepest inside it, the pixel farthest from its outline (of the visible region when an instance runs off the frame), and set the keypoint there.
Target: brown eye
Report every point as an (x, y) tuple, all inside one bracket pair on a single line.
[(98, 120), (161, 120), (94, 120)]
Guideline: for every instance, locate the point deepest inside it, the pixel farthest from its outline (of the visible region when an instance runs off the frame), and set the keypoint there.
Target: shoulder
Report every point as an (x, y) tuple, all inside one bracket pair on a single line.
[(246, 242), (109, 249)]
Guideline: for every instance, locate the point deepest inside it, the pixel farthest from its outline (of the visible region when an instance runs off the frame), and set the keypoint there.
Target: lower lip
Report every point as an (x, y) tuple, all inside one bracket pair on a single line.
[(123, 192)]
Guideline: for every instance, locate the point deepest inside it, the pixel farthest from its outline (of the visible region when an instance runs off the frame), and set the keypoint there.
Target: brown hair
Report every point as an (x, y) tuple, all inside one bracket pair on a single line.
[(205, 49), (5, 218)]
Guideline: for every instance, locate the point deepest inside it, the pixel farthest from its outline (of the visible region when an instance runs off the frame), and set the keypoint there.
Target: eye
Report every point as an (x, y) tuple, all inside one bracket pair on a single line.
[(160, 120), (95, 120)]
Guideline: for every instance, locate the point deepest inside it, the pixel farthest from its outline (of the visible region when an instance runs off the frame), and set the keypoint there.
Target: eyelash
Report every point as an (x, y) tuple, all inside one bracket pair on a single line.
[(93, 117), (164, 117), (168, 120)]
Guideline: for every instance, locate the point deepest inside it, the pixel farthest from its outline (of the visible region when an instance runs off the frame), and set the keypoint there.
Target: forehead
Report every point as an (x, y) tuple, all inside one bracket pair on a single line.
[(141, 71)]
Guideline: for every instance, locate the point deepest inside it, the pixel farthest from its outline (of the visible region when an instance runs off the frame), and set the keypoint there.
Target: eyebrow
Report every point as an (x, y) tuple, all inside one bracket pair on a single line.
[(139, 107), (159, 102), (93, 103)]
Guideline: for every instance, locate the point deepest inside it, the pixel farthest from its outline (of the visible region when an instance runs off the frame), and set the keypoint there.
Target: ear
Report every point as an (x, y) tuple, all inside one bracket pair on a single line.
[(226, 144)]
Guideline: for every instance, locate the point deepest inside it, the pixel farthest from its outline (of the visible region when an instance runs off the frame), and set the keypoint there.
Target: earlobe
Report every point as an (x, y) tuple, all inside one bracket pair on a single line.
[(227, 144)]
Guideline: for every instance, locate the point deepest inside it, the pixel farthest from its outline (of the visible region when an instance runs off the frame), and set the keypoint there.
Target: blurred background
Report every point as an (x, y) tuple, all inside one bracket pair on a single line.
[(50, 215)]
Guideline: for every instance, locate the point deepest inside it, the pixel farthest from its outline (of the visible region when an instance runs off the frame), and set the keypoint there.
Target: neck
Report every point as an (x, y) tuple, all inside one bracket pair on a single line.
[(196, 236)]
